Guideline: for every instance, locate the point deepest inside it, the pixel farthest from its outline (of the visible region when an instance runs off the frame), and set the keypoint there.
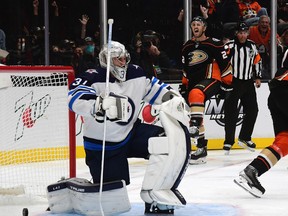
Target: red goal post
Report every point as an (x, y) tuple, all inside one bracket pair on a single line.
[(37, 130)]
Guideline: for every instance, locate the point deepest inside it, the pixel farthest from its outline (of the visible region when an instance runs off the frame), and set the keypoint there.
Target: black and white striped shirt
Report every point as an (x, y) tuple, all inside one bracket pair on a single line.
[(245, 59)]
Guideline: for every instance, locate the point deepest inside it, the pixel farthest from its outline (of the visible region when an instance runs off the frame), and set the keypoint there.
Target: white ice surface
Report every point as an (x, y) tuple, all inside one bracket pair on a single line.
[(208, 189)]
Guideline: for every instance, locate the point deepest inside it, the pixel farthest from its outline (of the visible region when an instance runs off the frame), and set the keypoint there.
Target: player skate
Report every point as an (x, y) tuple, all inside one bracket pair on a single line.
[(227, 147), (249, 145), (248, 180), (199, 156)]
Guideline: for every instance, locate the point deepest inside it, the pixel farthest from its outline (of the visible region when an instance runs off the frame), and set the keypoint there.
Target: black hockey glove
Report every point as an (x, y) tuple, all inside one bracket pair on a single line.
[(224, 91), (183, 90), (226, 88)]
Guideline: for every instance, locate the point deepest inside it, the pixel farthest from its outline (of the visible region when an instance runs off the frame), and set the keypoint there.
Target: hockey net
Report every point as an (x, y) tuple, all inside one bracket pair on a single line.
[(37, 141)]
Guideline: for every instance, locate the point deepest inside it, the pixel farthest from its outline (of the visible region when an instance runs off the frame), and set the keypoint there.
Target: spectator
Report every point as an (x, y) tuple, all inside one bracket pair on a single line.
[(149, 56), (89, 46), (2, 40), (269, 156), (261, 34), (282, 42), (213, 19), (174, 41), (206, 66), (282, 11), (62, 54), (54, 22), (230, 18), (89, 58), (246, 64), (250, 11), (229, 12), (54, 26), (84, 20), (3, 52), (92, 44)]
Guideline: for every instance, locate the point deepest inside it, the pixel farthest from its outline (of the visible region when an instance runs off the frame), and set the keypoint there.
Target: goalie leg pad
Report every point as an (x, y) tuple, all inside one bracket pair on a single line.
[(59, 198), (167, 163), (83, 197)]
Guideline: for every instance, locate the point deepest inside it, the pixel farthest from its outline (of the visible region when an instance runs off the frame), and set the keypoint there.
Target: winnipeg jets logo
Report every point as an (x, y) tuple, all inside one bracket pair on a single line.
[(91, 71)]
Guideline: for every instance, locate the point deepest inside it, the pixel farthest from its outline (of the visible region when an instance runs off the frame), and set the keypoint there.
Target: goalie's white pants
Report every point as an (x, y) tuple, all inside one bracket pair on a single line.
[(169, 157), (80, 196)]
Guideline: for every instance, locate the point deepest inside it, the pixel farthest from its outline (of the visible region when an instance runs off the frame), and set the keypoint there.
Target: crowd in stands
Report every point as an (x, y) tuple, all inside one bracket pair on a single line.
[(153, 36)]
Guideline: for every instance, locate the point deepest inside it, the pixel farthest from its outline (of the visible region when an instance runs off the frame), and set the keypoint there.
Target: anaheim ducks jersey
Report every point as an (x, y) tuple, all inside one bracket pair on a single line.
[(92, 83), (248, 10), (206, 59)]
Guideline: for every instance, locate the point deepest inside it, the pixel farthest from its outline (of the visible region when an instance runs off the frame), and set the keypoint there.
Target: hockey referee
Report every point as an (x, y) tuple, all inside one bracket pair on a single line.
[(247, 65)]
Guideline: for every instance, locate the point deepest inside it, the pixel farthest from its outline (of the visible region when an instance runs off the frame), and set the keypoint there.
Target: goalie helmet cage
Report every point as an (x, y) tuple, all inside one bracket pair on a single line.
[(37, 130)]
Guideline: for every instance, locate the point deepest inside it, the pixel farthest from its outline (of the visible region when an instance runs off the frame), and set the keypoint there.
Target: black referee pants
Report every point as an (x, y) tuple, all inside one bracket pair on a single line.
[(244, 92)]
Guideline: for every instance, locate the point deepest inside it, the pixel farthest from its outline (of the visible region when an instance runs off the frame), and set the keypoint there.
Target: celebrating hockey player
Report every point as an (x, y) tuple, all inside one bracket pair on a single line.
[(167, 148), (206, 68), (269, 156)]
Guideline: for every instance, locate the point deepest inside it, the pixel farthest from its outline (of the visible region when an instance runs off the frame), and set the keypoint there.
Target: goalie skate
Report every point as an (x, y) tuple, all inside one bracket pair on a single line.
[(248, 181)]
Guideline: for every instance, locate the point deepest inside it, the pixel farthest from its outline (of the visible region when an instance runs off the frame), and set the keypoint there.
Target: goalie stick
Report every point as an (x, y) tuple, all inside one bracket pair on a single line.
[(110, 23)]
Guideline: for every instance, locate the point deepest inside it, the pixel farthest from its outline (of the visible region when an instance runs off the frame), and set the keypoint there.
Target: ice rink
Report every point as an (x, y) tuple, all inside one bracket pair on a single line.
[(208, 189)]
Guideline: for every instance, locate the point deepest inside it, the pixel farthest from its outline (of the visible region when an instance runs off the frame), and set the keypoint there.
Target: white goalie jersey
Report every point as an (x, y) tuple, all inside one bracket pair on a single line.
[(92, 83)]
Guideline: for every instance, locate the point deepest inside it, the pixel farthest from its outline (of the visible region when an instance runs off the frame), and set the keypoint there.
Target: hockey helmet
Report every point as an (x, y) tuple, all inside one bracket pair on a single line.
[(116, 50), (242, 26), (199, 19)]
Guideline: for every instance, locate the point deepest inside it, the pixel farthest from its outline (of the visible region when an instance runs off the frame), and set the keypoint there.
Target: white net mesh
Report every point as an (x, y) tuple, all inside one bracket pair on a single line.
[(34, 129)]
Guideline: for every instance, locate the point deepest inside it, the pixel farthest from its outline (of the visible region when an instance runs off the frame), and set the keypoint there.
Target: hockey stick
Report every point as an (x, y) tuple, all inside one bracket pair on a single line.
[(16, 190), (110, 22)]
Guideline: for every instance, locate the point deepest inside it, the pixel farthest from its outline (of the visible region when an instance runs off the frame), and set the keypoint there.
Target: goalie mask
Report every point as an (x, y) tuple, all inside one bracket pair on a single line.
[(116, 50)]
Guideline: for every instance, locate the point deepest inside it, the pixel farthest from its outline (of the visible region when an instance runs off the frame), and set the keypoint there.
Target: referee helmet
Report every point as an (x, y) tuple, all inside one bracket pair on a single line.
[(242, 26)]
